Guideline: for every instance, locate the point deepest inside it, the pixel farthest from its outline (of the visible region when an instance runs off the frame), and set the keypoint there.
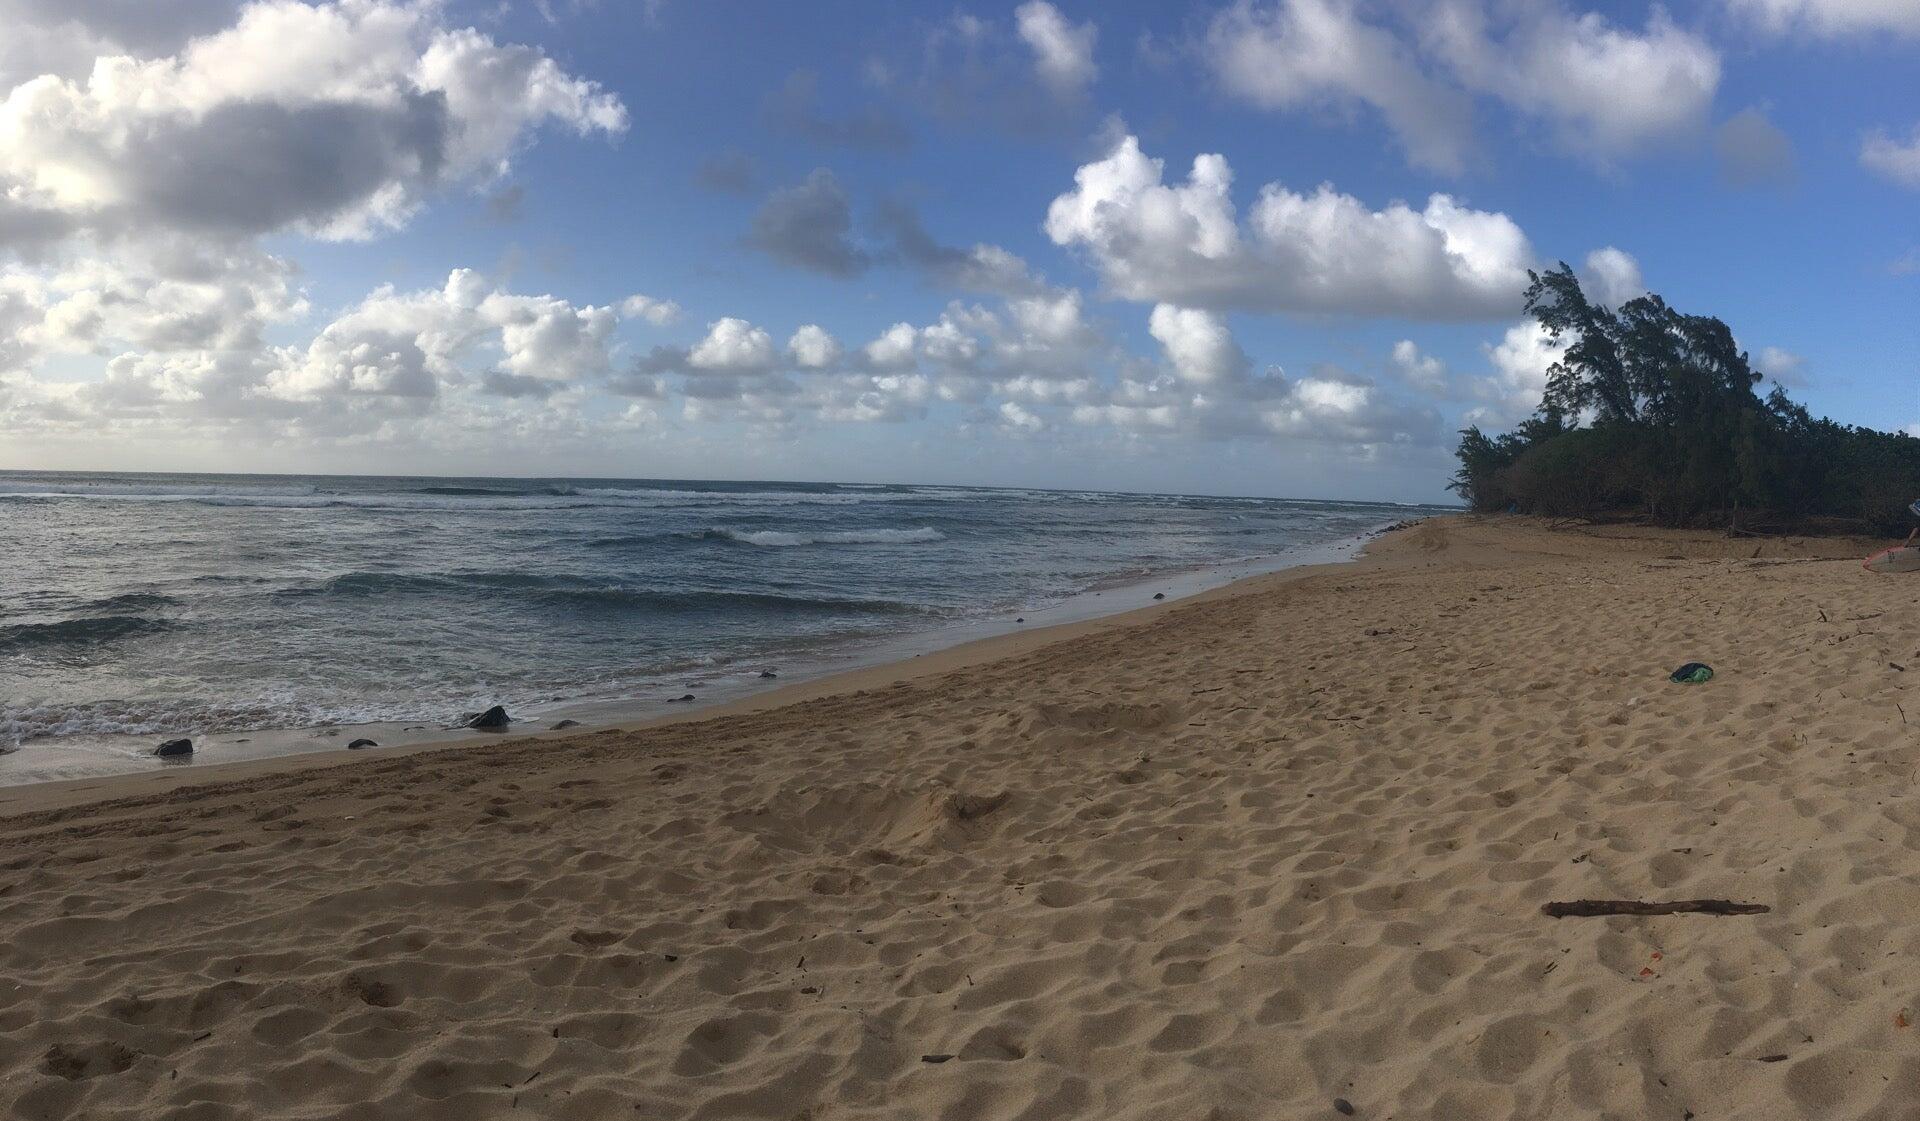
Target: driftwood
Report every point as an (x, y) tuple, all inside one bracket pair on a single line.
[(1590, 908)]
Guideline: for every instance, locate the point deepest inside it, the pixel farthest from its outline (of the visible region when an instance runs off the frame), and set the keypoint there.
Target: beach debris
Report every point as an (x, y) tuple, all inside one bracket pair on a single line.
[(360, 743), (1593, 908), (935, 1058), (1159, 595), (1021, 619), (1693, 673), (565, 724), (493, 719), (1343, 1107), (768, 675), (677, 700), (173, 748)]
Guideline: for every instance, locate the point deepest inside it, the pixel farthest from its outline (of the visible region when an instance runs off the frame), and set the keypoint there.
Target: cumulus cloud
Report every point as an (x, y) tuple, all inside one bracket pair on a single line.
[(811, 347), (1421, 371), (810, 226), (1753, 152), (660, 313), (1605, 91), (336, 120), (1198, 344), (1781, 365), (734, 346), (1612, 276), (1062, 51), (1519, 361), (1300, 54), (893, 349), (1896, 160), (1321, 252)]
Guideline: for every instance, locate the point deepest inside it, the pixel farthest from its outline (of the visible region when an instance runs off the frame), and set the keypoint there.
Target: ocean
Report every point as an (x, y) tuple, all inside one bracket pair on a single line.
[(148, 605)]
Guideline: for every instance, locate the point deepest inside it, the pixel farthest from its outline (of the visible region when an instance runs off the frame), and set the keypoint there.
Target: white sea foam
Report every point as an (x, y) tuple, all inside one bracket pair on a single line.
[(776, 539)]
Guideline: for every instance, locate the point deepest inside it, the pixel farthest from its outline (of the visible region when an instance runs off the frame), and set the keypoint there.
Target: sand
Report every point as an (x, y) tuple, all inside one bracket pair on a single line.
[(1234, 858)]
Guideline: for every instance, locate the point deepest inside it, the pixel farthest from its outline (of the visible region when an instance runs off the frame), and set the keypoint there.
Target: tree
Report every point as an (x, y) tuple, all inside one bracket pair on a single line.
[(1652, 410)]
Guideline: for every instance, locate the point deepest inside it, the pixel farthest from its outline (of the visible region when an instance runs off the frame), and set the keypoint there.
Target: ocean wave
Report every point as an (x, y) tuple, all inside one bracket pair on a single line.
[(91, 631), (562, 590), (771, 538), (717, 602), (556, 497)]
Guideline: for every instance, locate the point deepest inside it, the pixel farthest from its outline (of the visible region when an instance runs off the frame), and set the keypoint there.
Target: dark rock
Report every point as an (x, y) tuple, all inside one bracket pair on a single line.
[(1343, 1106), (566, 724), (1021, 619), (360, 743), (935, 1058), (173, 748), (677, 700), (491, 720), (1159, 595), (768, 674)]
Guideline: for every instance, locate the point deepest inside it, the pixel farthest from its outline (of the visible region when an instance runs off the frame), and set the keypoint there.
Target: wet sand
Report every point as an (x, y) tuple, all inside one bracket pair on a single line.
[(1231, 858)]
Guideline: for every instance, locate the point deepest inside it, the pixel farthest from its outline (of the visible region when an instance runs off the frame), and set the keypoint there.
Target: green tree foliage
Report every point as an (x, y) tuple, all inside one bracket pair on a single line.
[(1653, 413)]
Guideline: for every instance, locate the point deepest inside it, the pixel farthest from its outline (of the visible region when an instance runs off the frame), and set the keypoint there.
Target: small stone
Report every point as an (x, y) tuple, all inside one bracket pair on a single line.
[(1343, 1106), (1021, 619), (677, 700), (566, 724), (173, 748), (935, 1058), (768, 675), (360, 743), (1159, 595), (491, 720)]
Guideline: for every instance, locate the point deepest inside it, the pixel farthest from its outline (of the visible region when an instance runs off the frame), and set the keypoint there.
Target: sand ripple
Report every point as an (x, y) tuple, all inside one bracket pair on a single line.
[(1242, 858)]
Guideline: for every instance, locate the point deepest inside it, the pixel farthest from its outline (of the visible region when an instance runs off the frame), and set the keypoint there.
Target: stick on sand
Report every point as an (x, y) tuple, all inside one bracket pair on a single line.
[(1589, 908)]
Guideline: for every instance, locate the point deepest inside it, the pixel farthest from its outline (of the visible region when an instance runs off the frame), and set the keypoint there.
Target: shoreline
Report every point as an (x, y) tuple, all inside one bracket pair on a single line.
[(861, 665), (1241, 855)]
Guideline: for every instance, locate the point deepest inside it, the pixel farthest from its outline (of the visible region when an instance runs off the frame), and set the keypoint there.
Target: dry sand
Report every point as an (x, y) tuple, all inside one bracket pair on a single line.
[(1233, 859)]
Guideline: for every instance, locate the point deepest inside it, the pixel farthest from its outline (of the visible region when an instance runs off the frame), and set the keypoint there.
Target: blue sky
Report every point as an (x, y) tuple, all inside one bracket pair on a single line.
[(580, 237)]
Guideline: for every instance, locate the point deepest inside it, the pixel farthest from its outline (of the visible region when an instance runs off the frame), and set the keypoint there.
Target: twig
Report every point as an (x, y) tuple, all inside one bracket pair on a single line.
[(1592, 908)]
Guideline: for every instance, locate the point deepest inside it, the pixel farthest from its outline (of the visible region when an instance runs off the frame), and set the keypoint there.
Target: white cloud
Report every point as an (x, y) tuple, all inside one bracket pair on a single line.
[(548, 338), (1063, 51), (1421, 371), (1520, 361), (1198, 344), (1607, 91), (733, 346), (813, 348), (1896, 160), (894, 349), (1298, 54), (1612, 276), (1020, 418), (1781, 365), (337, 120), (1319, 252), (1831, 18), (660, 313)]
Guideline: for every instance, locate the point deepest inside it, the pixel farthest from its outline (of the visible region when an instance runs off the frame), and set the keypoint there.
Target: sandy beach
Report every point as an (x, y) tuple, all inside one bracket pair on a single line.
[(1266, 853)]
